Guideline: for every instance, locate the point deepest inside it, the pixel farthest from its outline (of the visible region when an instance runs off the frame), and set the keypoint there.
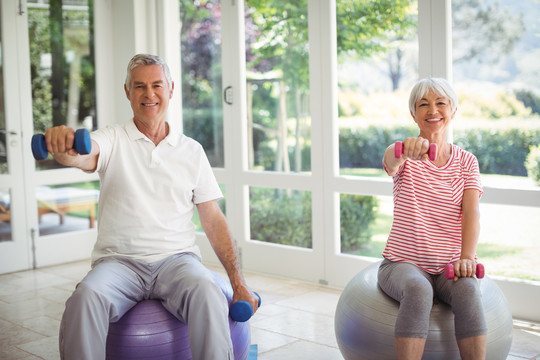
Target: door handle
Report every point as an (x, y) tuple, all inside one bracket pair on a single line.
[(9, 132)]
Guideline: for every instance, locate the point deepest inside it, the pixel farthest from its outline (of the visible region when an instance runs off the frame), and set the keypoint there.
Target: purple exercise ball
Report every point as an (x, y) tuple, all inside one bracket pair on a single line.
[(149, 331)]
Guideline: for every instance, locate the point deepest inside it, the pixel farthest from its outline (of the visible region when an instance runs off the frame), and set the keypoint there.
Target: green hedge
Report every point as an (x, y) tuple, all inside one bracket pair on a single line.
[(533, 164), (364, 148), (501, 152), (284, 217), (281, 216), (357, 214)]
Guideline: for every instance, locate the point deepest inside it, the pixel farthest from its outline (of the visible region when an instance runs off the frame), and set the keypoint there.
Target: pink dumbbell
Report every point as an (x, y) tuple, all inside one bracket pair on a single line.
[(449, 271), (432, 152)]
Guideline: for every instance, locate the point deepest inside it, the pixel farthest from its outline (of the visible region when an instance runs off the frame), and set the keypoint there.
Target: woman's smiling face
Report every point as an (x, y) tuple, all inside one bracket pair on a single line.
[(433, 113)]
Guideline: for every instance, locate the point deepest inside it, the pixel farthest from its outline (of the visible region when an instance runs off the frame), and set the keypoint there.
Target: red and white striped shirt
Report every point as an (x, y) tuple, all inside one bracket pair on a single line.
[(426, 230)]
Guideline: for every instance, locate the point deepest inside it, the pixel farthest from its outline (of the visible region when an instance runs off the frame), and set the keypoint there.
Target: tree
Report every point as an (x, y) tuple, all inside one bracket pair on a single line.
[(479, 27), (55, 31), (482, 27), (366, 27), (281, 44), (201, 74)]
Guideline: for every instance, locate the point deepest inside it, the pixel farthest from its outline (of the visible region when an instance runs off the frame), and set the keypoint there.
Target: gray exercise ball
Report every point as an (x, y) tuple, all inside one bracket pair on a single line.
[(365, 319)]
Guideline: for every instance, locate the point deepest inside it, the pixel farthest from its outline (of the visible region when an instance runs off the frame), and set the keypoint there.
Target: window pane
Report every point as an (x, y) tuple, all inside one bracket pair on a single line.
[(281, 216), (377, 56), (67, 207), (3, 147), (61, 65), (277, 57), (5, 215), (508, 243), (497, 77), (222, 205), (365, 222), (201, 76)]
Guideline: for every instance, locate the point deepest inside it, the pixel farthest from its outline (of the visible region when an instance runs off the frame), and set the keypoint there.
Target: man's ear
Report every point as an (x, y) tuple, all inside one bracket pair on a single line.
[(127, 91), (172, 89)]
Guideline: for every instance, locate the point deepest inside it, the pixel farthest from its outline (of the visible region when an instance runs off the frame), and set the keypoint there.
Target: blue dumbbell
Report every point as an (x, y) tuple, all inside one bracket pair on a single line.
[(82, 144), (241, 310)]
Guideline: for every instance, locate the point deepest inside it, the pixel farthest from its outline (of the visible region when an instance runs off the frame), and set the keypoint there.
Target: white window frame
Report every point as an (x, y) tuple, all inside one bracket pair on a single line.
[(325, 182), (126, 27)]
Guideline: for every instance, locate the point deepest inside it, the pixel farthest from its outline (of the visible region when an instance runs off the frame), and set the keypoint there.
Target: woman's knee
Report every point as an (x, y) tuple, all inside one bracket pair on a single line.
[(464, 291), (414, 310), (468, 309), (402, 280)]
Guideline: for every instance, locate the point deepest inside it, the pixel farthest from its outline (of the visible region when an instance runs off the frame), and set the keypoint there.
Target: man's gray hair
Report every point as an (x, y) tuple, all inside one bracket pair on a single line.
[(147, 59), (439, 86)]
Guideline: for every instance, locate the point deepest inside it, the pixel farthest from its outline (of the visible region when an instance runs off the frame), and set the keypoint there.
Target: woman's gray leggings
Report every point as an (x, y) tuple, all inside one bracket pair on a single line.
[(415, 289)]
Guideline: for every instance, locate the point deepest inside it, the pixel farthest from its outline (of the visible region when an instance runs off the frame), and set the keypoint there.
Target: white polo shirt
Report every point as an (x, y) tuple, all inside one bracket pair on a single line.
[(148, 193)]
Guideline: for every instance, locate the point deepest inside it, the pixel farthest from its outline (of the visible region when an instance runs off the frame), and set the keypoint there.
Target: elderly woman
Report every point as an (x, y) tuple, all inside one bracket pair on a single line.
[(436, 222)]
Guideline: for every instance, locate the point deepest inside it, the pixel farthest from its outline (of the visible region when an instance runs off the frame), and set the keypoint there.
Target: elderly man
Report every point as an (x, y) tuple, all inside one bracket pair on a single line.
[(152, 177)]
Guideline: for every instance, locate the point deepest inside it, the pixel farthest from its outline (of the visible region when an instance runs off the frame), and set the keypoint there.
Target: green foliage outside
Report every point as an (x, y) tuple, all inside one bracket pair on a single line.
[(75, 35), (38, 29), (502, 152), (284, 217), (357, 214), (529, 99), (281, 216), (533, 164), (499, 151)]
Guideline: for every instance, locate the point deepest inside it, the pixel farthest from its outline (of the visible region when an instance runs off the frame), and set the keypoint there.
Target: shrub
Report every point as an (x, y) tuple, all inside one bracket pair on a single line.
[(533, 164), (281, 216), (364, 147), (493, 105), (499, 151), (284, 217), (530, 99), (357, 212)]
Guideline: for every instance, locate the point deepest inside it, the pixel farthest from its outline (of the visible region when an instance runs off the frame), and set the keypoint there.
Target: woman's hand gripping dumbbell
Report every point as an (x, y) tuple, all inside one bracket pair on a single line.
[(82, 143), (242, 310), (398, 150), (450, 274)]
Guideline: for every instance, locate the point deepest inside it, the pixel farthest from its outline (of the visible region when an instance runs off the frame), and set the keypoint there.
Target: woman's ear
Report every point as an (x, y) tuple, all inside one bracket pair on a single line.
[(413, 116)]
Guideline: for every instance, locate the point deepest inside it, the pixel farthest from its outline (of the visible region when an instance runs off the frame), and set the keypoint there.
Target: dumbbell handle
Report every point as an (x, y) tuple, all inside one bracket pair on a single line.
[(432, 151), (449, 271), (241, 311), (82, 143)]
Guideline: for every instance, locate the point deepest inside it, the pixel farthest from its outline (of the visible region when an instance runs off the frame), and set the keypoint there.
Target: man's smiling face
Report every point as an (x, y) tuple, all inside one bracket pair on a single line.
[(149, 93)]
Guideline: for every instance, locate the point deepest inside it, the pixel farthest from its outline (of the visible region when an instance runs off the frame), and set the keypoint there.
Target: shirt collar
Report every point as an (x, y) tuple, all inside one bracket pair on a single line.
[(134, 134)]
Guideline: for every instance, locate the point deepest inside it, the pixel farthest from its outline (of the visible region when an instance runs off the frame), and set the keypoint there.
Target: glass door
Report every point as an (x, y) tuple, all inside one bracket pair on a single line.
[(14, 246), (282, 192), (61, 48), (46, 58), (248, 104)]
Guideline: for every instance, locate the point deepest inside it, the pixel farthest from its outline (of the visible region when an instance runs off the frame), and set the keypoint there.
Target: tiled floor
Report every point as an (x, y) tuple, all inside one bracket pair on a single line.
[(295, 321)]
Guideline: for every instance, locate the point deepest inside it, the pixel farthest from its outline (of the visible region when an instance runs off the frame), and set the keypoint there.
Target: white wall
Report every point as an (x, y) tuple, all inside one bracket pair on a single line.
[(124, 28)]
